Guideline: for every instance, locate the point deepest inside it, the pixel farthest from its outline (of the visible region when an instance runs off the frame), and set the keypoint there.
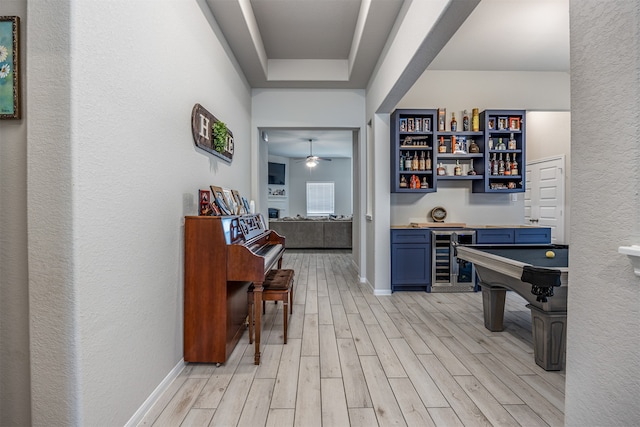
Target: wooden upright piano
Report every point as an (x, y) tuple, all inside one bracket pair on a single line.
[(223, 255)]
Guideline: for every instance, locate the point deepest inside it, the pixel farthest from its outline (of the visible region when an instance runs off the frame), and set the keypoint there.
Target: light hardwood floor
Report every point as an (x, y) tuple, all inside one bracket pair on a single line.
[(355, 359)]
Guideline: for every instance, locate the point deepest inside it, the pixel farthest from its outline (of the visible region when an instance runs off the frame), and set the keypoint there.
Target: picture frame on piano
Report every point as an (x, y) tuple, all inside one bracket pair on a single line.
[(231, 203), (205, 202), (238, 201), (218, 196), (247, 207)]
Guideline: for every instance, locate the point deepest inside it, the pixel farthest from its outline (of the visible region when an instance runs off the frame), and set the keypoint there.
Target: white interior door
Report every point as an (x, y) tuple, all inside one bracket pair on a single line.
[(544, 201)]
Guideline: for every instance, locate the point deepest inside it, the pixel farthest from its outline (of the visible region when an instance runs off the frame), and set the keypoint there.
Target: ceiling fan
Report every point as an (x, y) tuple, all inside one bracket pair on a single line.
[(312, 161)]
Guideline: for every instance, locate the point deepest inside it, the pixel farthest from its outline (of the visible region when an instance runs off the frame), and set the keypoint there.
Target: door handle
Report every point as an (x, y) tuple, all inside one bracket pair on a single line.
[(533, 220)]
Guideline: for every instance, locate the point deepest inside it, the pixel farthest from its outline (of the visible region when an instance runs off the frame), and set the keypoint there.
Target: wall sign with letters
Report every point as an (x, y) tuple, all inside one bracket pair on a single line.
[(202, 123)]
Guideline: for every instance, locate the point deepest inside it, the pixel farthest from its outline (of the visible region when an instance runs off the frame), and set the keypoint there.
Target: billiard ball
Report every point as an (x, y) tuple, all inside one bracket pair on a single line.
[(550, 254)]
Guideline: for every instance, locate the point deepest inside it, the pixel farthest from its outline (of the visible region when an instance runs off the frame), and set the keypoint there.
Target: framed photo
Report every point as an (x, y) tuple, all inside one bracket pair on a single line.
[(491, 123), (418, 124), (215, 210), (502, 123), (9, 67), (205, 202), (514, 123), (218, 197), (247, 207), (231, 201), (238, 202), (403, 125)]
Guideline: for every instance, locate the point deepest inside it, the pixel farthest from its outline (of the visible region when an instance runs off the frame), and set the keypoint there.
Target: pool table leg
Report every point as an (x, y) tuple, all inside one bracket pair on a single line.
[(493, 305), (549, 330)]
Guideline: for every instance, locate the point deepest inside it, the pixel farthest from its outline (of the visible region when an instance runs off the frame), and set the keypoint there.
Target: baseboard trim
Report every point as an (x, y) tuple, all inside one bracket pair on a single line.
[(161, 388)]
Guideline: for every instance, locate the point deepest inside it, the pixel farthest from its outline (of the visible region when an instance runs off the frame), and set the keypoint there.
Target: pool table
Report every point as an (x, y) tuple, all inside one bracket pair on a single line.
[(541, 280)]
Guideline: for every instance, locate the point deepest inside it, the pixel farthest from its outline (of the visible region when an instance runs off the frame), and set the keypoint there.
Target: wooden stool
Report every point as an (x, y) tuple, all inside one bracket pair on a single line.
[(278, 286)]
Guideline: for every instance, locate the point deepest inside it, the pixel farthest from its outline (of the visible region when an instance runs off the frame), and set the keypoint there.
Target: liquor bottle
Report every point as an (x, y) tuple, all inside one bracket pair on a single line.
[(465, 121), (494, 165), (422, 162), (403, 182), (501, 145), (500, 165), (442, 148), (507, 165), (424, 183), (407, 162), (512, 142), (473, 147), (427, 162), (457, 170), (415, 163), (490, 143), (514, 166), (454, 123), (475, 120), (441, 170), (401, 161)]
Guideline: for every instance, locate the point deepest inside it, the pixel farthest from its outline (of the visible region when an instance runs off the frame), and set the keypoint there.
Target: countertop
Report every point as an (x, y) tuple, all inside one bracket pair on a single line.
[(460, 225)]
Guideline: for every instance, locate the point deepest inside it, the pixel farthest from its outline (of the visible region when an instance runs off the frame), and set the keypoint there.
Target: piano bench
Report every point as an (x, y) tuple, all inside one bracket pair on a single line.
[(277, 286)]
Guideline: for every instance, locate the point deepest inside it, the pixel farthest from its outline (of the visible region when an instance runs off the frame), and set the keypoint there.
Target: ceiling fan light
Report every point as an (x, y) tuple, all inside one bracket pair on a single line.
[(311, 163)]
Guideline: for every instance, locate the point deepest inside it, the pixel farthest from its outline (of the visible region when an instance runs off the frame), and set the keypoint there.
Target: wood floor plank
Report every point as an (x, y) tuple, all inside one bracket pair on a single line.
[(308, 411), (413, 410), (329, 360), (334, 403), (445, 417), (310, 339), (490, 407), (324, 311), (410, 335), (348, 302), (550, 393), (280, 418), (256, 407), (286, 387), (176, 411), (386, 323), (525, 415), (198, 417), (362, 417), (360, 335), (340, 321), (388, 358), (365, 311), (217, 384), (543, 408), (232, 402), (418, 375), (353, 379), (464, 407), (386, 407), (448, 359)]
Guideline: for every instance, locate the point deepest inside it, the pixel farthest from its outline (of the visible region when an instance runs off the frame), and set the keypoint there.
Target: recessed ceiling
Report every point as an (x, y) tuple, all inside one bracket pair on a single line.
[(306, 43), (337, 44)]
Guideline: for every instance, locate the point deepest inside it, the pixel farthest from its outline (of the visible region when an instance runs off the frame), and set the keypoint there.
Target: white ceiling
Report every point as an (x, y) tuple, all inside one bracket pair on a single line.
[(337, 43)]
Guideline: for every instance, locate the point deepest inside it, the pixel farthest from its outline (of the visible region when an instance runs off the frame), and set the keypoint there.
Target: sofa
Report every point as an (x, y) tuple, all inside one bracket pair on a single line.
[(314, 233)]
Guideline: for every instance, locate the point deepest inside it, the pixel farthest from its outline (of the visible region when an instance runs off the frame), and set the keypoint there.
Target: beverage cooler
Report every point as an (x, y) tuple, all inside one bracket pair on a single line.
[(448, 273)]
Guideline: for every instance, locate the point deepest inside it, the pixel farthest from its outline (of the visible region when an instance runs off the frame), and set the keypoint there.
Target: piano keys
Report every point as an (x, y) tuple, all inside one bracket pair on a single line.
[(223, 255)]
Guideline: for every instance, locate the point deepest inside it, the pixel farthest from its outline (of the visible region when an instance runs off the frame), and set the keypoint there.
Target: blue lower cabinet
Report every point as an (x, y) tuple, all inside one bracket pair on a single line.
[(410, 262), (540, 235), (494, 236)]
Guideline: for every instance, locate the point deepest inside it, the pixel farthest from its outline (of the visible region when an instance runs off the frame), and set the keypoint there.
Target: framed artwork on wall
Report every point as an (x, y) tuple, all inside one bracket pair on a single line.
[(10, 67)]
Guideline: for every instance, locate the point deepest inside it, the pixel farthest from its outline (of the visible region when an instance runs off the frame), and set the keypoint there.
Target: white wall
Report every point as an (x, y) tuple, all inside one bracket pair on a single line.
[(14, 287), (112, 172), (603, 361)]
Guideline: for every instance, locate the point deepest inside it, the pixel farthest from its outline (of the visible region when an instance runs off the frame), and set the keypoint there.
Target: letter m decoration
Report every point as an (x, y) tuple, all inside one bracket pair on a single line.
[(202, 129)]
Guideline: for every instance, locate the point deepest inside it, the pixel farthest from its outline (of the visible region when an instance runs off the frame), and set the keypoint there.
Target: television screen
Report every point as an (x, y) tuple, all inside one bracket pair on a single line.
[(276, 173)]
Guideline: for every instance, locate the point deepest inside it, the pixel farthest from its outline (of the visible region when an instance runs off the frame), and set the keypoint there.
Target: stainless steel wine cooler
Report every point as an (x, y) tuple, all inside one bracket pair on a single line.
[(449, 275)]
